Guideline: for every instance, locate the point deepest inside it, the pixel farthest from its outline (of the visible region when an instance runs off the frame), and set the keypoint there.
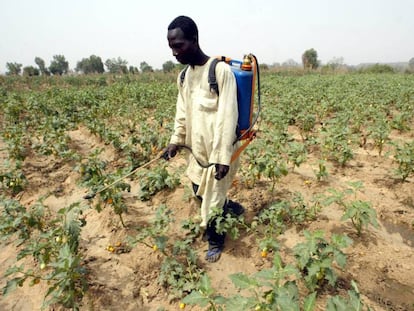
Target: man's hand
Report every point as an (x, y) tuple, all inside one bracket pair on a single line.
[(221, 171), (170, 151)]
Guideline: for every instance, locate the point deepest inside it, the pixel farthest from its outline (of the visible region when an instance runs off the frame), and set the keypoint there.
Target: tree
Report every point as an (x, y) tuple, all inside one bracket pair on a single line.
[(30, 71), (41, 64), (13, 69), (133, 70), (93, 64), (378, 68), (310, 59), (168, 66), (116, 65), (59, 65), (144, 67)]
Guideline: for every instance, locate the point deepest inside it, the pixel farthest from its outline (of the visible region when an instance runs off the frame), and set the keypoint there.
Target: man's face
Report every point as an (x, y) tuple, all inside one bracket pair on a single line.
[(182, 48)]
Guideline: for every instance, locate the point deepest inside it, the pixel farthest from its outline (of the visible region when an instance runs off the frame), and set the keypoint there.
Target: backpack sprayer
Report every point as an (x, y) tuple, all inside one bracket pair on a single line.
[(247, 77)]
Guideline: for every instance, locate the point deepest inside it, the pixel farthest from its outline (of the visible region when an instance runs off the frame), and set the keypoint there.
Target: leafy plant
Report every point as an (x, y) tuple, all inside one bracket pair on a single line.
[(272, 220), (16, 219), (13, 181), (269, 224), (360, 212), (379, 131), (269, 289), (179, 271), (322, 172), (205, 296), (296, 153), (156, 180), (17, 142), (404, 156), (336, 140), (155, 235), (55, 248), (93, 176), (227, 222), (352, 303), (316, 256)]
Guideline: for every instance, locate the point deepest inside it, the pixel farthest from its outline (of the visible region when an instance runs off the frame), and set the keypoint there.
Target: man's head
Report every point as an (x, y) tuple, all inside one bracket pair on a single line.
[(183, 39)]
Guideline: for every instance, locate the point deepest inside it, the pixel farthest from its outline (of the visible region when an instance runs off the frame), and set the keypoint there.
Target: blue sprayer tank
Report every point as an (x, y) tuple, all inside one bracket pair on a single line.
[(244, 78)]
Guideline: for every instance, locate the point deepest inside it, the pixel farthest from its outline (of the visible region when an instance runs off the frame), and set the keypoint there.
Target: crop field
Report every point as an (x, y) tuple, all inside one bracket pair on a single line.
[(327, 184)]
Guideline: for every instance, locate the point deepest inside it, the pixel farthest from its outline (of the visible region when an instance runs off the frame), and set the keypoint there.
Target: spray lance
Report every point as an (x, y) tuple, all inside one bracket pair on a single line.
[(163, 155)]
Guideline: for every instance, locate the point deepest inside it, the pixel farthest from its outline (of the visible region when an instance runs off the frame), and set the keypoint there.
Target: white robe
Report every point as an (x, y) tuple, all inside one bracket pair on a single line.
[(207, 123)]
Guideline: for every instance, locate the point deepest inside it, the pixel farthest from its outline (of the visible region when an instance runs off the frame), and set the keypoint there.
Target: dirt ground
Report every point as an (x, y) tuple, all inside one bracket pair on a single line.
[(381, 261)]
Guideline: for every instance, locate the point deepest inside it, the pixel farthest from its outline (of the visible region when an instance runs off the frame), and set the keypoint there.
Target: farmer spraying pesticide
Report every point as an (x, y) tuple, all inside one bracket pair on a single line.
[(206, 123)]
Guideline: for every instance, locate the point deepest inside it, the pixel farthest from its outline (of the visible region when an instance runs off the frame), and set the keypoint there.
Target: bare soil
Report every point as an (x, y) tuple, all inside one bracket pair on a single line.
[(381, 261)]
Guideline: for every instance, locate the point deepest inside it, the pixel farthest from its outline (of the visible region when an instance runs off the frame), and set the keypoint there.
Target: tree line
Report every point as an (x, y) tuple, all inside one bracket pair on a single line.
[(93, 64), (90, 65)]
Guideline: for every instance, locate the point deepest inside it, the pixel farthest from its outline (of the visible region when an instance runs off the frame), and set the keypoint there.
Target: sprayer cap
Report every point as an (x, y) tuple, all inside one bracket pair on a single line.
[(247, 63)]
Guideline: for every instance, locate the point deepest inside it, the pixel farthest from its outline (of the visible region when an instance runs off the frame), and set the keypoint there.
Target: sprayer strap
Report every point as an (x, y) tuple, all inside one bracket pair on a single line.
[(182, 76), (212, 81)]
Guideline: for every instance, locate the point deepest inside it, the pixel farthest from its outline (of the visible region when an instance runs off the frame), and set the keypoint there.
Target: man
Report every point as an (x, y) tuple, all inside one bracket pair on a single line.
[(206, 123)]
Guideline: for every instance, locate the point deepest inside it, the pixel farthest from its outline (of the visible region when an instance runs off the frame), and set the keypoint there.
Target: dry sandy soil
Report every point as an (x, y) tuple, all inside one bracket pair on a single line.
[(381, 261)]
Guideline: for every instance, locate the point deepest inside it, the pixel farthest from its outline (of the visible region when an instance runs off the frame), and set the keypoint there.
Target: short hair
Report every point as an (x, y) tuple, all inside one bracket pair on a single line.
[(187, 25)]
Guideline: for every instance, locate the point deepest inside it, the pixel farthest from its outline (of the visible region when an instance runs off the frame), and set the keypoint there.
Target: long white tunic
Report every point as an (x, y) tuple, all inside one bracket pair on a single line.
[(207, 123)]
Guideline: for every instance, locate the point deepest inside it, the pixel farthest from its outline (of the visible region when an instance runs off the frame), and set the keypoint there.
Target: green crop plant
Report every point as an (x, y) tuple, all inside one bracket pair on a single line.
[(352, 303), (93, 175), (379, 131), (53, 142), (315, 258), (401, 121), (252, 171), (179, 272), (13, 181), (273, 220), (359, 212), (301, 212), (296, 153), (336, 140), (205, 296), (404, 156), (17, 142), (154, 180), (306, 123), (322, 172), (227, 222), (155, 235), (274, 288), (268, 225), (54, 247), (16, 219)]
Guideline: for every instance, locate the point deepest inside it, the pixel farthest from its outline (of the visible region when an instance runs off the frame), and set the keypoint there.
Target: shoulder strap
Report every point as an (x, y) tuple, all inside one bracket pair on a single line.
[(182, 76), (212, 81)]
